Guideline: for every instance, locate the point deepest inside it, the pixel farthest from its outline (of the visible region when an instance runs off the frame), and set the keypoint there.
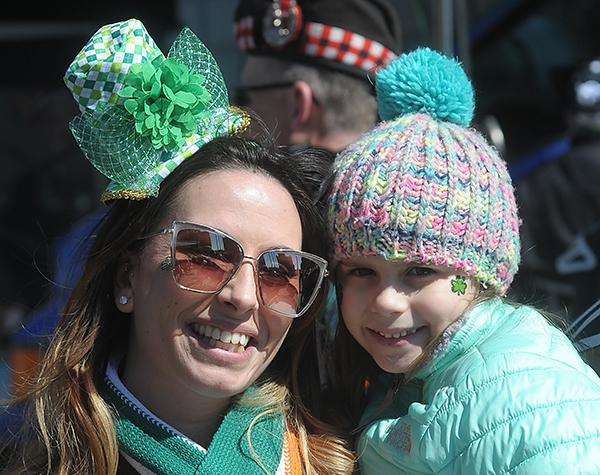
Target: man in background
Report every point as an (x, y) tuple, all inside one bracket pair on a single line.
[(310, 63)]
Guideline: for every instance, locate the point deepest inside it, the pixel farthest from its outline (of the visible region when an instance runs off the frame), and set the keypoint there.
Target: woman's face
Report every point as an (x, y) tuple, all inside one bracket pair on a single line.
[(169, 356), (395, 309)]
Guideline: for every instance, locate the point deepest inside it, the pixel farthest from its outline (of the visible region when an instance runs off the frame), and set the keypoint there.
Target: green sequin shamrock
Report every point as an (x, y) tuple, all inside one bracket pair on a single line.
[(459, 285), (166, 101)]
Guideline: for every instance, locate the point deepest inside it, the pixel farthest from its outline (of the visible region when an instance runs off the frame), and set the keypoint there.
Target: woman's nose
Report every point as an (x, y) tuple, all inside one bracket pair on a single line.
[(241, 292)]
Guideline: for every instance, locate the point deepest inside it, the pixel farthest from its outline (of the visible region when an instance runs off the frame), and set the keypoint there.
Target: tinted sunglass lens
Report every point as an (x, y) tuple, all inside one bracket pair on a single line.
[(287, 281), (204, 260)]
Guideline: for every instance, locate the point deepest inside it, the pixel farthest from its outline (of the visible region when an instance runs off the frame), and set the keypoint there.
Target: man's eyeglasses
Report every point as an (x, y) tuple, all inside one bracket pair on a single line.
[(240, 94), (204, 259)]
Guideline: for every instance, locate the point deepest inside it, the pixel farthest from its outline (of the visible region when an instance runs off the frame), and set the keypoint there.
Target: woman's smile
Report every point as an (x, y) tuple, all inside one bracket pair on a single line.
[(233, 342)]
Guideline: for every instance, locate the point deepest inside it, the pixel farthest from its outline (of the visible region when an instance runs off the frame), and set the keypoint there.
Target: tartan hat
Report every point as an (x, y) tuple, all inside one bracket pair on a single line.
[(142, 113), (423, 186), (351, 36)]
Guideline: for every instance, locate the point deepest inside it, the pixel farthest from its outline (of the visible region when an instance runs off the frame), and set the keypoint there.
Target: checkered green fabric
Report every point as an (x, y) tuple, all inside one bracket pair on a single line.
[(106, 131), (98, 71)]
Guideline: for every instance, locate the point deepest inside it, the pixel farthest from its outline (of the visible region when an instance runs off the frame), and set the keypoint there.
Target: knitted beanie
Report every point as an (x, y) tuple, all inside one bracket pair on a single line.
[(422, 186)]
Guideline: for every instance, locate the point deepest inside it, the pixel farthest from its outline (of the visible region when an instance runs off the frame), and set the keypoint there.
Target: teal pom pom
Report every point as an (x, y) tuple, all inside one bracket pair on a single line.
[(425, 81)]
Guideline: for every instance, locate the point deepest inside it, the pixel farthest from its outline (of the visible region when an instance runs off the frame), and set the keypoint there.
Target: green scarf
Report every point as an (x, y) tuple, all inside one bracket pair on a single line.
[(165, 451)]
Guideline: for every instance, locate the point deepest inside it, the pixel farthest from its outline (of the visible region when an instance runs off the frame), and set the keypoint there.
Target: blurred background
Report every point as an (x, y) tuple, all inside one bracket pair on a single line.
[(518, 53)]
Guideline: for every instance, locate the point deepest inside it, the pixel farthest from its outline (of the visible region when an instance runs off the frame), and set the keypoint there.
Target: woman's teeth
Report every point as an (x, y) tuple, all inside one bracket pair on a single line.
[(398, 335), (230, 341)]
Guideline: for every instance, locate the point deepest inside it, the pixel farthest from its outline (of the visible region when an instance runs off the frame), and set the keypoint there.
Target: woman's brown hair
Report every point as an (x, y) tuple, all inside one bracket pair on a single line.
[(68, 428)]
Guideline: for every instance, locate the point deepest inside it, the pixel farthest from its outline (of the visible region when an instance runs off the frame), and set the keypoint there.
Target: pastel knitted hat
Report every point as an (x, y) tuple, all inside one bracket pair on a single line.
[(143, 114), (422, 186)]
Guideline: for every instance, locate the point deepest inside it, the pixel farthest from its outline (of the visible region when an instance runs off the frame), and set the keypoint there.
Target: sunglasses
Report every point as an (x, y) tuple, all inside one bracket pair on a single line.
[(204, 260)]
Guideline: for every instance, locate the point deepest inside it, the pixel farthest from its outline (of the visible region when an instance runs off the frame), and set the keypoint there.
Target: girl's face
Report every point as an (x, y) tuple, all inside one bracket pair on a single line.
[(394, 309), (173, 357)]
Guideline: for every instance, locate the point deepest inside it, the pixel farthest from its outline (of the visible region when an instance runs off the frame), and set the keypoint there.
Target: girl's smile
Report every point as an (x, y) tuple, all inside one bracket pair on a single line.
[(401, 334)]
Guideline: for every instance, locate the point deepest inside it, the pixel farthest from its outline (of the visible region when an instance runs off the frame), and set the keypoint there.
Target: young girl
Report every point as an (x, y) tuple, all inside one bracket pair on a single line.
[(425, 242)]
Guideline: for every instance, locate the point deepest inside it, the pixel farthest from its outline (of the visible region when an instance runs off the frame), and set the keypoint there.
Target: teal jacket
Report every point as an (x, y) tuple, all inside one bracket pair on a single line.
[(507, 394)]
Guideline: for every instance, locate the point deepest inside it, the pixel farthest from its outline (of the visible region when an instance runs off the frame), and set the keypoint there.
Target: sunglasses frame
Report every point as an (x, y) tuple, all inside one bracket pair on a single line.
[(169, 263)]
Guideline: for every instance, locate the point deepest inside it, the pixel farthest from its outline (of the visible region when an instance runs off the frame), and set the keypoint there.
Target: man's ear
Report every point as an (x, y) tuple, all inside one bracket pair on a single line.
[(124, 284), (304, 106)]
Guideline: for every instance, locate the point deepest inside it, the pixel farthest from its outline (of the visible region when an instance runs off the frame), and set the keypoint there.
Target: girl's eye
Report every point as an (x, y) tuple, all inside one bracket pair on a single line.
[(421, 271), (361, 271)]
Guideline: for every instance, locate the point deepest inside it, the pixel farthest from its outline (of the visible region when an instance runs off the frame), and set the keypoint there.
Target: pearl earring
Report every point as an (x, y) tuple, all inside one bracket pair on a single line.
[(123, 300)]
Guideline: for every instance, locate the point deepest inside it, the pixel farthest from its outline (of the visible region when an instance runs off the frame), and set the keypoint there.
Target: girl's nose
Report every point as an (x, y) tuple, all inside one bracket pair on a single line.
[(390, 301)]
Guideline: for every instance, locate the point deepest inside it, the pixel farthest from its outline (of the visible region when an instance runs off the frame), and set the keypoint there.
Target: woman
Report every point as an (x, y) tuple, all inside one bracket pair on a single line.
[(188, 344)]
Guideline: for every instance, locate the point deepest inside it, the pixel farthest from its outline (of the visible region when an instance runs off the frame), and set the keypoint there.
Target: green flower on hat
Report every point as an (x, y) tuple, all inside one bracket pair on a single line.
[(166, 101), (143, 114)]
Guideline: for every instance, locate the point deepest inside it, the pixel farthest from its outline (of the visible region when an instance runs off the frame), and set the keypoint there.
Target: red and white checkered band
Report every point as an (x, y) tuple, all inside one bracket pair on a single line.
[(329, 42), (243, 33), (337, 44)]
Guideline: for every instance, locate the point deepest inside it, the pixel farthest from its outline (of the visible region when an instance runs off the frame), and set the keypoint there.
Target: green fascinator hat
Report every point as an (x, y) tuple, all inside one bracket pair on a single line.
[(143, 114)]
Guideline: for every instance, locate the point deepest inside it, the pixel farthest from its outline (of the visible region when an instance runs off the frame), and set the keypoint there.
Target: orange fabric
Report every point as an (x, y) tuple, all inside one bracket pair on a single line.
[(291, 452)]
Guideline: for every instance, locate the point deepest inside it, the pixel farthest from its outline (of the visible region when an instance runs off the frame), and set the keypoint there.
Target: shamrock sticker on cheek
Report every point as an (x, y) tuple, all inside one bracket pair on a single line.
[(459, 285)]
